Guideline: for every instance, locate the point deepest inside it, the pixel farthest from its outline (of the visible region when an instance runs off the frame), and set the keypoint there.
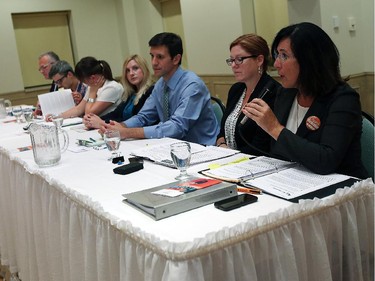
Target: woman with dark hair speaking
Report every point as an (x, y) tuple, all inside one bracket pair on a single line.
[(317, 119)]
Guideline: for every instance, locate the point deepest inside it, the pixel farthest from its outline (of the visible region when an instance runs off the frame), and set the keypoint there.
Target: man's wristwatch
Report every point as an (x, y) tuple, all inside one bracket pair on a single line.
[(91, 100)]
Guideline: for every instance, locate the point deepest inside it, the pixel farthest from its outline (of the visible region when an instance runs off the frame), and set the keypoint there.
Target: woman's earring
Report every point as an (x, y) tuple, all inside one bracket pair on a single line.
[(260, 70)]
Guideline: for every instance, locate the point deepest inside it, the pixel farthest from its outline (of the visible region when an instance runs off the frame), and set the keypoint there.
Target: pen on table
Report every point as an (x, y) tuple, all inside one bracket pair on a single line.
[(249, 190), (83, 142), (92, 139)]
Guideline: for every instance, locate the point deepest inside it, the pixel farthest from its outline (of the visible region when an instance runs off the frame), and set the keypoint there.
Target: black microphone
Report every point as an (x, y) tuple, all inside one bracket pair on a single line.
[(267, 89)]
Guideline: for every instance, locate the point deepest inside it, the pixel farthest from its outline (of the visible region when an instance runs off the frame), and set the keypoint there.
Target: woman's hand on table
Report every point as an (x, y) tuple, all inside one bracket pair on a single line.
[(93, 121)]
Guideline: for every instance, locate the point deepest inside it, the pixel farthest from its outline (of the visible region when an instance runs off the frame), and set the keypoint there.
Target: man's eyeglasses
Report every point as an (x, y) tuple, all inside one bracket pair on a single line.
[(44, 66), (58, 82), (281, 56), (238, 60)]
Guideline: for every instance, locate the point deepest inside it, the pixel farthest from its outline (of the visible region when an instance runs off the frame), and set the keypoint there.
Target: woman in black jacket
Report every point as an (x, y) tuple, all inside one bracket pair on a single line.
[(317, 119), (249, 57)]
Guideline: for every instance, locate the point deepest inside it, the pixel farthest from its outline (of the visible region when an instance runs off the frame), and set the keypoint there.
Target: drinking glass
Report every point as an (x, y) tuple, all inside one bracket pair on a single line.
[(17, 112), (112, 140), (57, 121), (181, 154), (28, 114)]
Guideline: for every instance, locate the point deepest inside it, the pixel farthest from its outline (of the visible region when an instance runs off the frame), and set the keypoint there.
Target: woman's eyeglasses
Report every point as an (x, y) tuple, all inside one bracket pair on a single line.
[(281, 56), (238, 60)]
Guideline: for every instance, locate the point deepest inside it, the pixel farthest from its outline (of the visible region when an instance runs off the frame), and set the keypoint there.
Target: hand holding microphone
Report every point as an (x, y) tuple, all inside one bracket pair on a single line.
[(266, 90)]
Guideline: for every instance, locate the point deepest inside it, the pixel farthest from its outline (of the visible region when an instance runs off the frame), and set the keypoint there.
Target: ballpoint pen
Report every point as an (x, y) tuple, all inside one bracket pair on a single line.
[(250, 190), (83, 142)]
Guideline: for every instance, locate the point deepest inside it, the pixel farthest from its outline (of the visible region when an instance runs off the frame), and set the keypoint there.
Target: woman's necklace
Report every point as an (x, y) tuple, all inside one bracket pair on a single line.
[(297, 124), (300, 113), (246, 97), (298, 106)]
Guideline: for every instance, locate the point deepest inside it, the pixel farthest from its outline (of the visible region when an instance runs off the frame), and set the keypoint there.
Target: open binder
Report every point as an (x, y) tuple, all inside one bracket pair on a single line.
[(159, 207), (280, 178), (248, 168)]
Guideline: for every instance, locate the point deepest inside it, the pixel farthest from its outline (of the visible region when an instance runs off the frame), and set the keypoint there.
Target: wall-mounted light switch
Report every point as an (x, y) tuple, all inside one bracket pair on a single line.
[(335, 22), (352, 24)]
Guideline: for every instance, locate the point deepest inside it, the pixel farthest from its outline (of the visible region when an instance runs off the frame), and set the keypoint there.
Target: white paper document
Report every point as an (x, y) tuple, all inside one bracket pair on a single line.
[(72, 121), (56, 102), (284, 179), (294, 182), (161, 154), (239, 171)]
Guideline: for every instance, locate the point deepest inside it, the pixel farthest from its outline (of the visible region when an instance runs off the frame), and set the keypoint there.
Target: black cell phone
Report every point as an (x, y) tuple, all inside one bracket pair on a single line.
[(235, 202), (128, 168), (135, 159)]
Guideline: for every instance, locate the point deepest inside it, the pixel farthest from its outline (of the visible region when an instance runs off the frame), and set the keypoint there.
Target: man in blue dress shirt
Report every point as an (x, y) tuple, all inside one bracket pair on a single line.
[(179, 106)]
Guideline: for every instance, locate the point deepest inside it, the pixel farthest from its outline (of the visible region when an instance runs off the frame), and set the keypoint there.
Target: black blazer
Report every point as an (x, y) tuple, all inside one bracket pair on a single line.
[(336, 145), (250, 132), (117, 113)]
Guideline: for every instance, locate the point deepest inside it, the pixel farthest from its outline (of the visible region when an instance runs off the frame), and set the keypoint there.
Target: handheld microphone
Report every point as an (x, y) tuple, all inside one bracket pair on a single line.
[(267, 89)]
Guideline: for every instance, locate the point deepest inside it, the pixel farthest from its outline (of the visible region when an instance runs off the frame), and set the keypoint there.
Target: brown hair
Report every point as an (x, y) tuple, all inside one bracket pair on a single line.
[(255, 45)]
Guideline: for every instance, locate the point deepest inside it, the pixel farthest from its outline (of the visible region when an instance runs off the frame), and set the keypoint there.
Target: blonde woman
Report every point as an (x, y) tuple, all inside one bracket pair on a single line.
[(137, 83)]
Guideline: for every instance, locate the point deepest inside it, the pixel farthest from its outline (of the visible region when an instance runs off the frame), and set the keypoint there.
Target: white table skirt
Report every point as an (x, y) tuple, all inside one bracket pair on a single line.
[(68, 223)]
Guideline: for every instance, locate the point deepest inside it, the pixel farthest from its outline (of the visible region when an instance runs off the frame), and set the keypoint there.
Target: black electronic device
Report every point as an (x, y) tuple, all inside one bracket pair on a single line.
[(135, 159), (235, 202), (128, 168), (270, 86), (117, 160)]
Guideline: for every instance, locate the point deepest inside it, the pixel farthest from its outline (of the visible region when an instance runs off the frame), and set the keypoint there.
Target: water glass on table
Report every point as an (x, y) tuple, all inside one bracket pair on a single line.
[(181, 154), (112, 140), (17, 112), (57, 121), (28, 114)]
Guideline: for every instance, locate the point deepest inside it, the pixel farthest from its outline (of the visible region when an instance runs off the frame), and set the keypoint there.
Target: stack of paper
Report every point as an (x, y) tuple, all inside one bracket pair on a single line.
[(161, 154)]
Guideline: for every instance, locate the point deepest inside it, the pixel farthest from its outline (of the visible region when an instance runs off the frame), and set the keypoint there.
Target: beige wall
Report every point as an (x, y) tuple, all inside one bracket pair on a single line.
[(146, 21), (271, 15), (363, 83), (114, 29), (356, 48), (172, 22), (209, 27), (95, 32)]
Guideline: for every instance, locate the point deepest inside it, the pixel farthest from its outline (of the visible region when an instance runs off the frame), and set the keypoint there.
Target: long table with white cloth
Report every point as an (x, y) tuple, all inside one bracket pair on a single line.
[(68, 222)]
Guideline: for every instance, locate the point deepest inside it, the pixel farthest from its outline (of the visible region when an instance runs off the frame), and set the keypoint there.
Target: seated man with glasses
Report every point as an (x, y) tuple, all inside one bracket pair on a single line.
[(45, 62), (63, 76)]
